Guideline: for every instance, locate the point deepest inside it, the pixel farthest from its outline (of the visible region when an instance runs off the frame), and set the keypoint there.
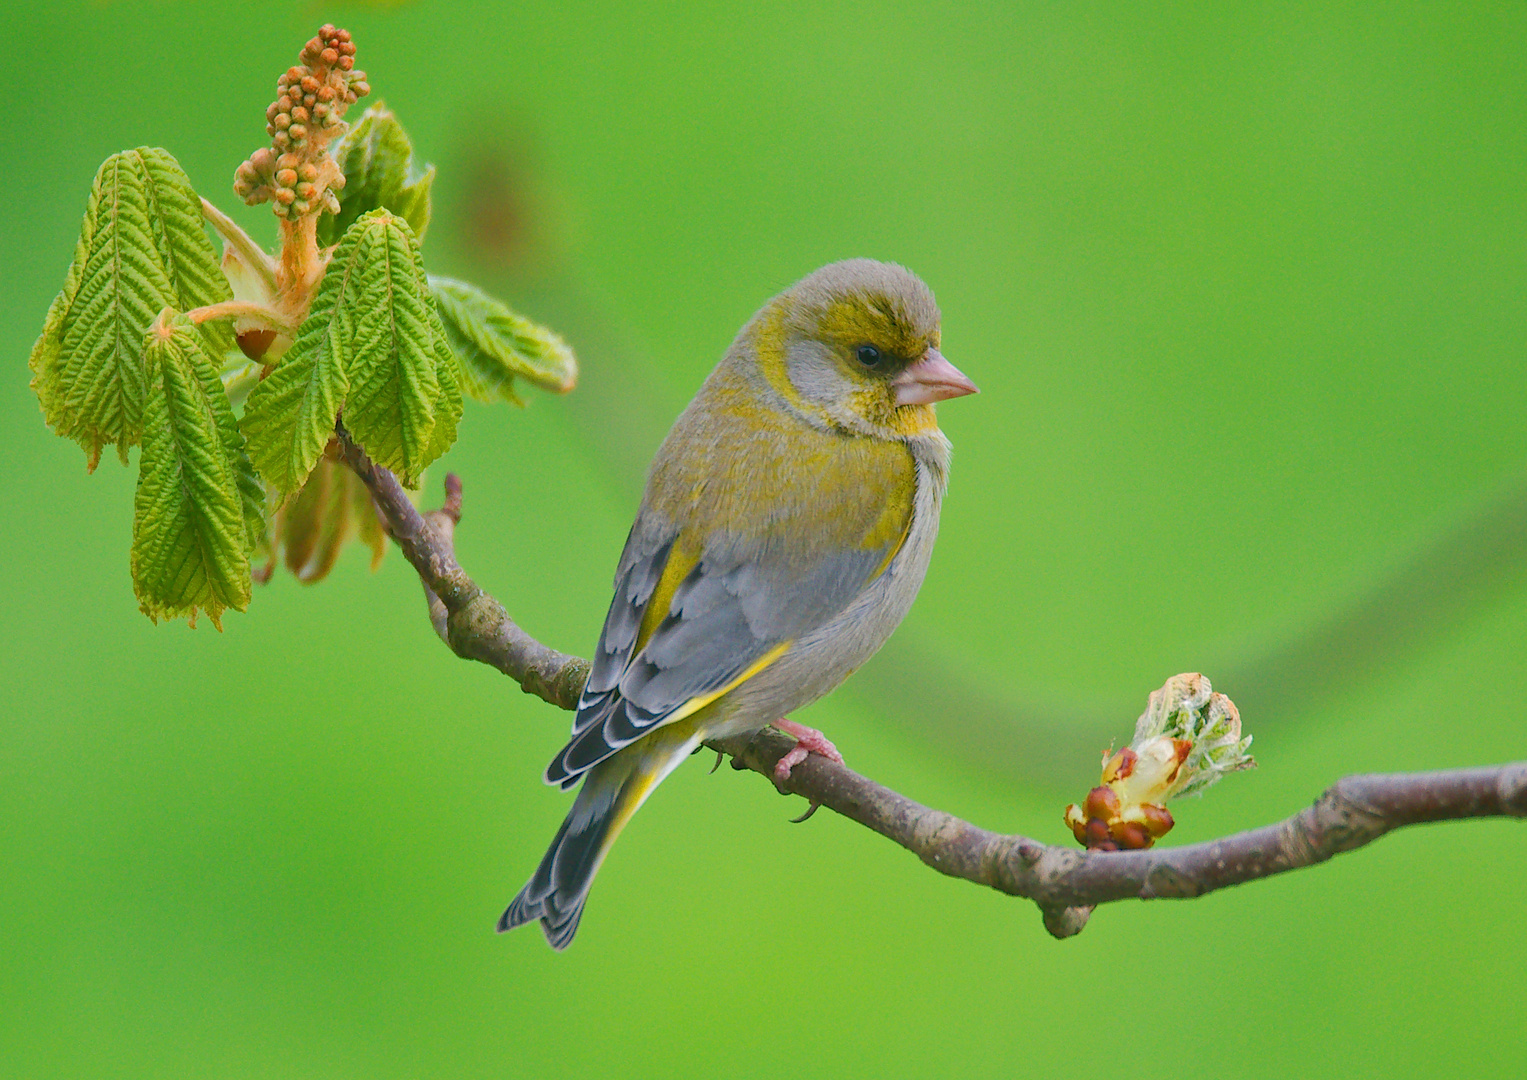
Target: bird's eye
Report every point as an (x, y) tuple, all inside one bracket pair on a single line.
[(869, 356)]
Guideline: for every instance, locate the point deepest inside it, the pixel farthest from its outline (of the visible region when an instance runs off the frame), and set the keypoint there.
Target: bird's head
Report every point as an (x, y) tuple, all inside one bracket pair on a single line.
[(856, 345)]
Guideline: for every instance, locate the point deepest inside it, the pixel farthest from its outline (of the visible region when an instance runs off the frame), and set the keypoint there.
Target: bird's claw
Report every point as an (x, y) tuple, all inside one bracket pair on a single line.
[(811, 809)]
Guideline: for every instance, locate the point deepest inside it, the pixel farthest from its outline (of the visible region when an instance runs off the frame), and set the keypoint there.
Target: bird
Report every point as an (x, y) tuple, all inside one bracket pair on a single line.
[(786, 526)]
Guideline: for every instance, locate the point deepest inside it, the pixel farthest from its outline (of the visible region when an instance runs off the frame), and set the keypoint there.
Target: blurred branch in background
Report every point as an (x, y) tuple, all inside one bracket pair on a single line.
[(1467, 566), (1065, 883)]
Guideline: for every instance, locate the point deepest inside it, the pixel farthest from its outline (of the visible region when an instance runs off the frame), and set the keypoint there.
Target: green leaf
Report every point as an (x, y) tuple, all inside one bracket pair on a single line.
[(197, 513), (448, 404), (404, 400), (377, 159), (495, 345), (289, 417), (372, 345), (142, 248)]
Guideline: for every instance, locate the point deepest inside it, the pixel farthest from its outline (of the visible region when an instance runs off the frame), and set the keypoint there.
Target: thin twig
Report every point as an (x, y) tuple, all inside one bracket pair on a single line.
[(1066, 883), (1351, 813)]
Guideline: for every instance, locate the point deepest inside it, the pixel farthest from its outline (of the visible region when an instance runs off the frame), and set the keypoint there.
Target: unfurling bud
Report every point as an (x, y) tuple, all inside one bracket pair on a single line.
[(306, 116), (1187, 738)]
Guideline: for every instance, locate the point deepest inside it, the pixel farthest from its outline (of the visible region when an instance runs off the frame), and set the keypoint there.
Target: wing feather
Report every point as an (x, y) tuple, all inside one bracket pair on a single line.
[(720, 621)]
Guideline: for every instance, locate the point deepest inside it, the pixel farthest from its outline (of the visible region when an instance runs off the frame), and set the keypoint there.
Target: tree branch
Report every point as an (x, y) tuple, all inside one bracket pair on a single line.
[(1064, 882)]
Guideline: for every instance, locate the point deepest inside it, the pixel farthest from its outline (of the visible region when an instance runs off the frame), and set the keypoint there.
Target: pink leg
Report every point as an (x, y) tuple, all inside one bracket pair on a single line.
[(807, 741)]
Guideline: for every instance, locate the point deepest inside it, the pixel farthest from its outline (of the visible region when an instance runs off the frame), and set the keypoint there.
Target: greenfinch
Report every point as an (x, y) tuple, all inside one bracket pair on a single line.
[(786, 526)]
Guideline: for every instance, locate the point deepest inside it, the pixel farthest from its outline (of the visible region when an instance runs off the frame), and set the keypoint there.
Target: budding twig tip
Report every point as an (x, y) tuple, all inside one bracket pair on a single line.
[(1187, 738), (160, 327)]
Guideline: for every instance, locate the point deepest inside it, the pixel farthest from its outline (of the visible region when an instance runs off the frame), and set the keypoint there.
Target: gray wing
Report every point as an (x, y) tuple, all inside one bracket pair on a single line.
[(733, 608)]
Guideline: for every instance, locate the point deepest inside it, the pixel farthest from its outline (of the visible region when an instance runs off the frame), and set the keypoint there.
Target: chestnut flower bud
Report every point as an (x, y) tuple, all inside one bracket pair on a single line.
[(308, 113)]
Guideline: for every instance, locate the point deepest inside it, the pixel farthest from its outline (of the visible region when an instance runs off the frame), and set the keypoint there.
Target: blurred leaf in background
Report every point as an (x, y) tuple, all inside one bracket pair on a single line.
[(1242, 288)]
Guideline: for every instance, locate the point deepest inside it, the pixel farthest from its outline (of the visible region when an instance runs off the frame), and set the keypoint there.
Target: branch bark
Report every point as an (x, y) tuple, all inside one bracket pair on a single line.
[(1065, 883)]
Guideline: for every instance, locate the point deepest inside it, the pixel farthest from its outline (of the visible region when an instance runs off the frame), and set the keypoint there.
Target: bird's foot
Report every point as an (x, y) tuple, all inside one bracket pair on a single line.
[(807, 741)]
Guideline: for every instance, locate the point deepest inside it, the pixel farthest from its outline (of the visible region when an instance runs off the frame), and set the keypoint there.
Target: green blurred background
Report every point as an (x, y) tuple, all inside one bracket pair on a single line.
[(1244, 289)]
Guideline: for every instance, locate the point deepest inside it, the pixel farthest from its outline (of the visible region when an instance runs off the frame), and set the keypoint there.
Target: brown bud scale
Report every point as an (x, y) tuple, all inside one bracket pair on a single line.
[(254, 343), (1097, 835), (1130, 835), (1101, 803), (1158, 819)]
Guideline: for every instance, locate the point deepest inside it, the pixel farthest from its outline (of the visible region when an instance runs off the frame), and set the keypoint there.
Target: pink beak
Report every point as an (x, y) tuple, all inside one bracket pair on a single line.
[(931, 379)]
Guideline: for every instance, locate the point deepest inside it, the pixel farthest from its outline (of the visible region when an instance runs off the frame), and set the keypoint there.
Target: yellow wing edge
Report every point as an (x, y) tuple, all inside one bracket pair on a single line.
[(695, 704)]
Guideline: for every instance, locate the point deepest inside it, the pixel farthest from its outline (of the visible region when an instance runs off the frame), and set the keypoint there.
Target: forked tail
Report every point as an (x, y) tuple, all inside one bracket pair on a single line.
[(612, 791)]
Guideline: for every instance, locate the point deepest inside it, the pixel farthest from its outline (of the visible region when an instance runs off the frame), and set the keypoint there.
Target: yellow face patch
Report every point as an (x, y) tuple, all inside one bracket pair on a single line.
[(873, 320), (877, 405)]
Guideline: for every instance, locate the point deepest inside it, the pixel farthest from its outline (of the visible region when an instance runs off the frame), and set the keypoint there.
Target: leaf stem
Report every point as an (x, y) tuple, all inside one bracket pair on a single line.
[(235, 309), (236, 238)]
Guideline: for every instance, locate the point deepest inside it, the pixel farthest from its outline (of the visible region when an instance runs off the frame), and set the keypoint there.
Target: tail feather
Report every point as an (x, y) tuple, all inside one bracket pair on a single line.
[(612, 791)]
